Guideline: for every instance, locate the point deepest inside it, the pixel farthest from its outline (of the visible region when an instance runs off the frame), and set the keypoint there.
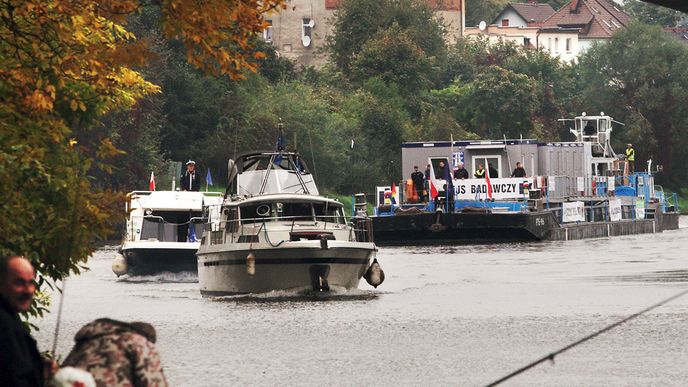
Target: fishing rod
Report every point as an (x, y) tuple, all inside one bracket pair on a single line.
[(59, 316), (551, 356)]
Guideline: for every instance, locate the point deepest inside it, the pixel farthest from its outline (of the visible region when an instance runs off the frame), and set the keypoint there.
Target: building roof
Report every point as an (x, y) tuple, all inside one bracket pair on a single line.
[(597, 19), (532, 12)]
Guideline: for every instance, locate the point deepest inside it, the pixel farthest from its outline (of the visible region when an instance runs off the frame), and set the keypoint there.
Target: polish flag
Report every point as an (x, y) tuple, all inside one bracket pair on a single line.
[(151, 184), (433, 191), (487, 181)]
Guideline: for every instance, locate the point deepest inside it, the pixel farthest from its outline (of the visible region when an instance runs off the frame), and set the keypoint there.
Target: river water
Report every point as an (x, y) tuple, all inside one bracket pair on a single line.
[(451, 315)]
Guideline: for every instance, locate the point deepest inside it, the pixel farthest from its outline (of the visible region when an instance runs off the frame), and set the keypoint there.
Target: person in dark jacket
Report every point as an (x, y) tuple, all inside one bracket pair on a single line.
[(418, 182), (190, 180), (461, 172), (519, 171), (20, 362), (117, 353)]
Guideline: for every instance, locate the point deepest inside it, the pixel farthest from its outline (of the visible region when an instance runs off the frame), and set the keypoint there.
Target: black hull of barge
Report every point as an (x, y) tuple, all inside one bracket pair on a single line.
[(466, 228), (429, 228)]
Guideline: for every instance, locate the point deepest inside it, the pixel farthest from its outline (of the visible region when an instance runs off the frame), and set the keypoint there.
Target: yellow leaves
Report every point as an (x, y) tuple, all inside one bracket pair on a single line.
[(218, 34), (39, 101)]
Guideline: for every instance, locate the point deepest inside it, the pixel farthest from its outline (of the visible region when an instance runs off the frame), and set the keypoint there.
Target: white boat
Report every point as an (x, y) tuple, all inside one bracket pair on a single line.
[(274, 232), (161, 229)]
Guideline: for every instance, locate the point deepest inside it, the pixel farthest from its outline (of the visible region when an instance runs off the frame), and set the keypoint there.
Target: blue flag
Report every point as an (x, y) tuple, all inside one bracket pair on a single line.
[(208, 178), (280, 142), (192, 233)]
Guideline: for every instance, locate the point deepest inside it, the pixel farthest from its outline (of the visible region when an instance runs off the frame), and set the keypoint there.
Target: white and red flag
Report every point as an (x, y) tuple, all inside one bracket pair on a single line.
[(151, 184), (487, 181)]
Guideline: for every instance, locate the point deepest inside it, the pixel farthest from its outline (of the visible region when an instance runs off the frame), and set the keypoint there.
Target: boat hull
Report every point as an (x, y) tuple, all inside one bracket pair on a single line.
[(224, 272), (147, 258), (439, 228)]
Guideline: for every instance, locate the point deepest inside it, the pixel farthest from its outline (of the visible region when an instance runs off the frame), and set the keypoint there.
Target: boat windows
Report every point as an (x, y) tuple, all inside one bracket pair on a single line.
[(170, 226), (256, 212), (326, 212), (297, 211)]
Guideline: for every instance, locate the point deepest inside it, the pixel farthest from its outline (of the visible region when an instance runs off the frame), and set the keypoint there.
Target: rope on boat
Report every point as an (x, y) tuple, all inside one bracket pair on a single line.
[(551, 356)]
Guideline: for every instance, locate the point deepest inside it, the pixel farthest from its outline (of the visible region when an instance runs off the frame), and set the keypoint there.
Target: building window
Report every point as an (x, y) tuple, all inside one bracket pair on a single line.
[(549, 44), (505, 22), (526, 42), (556, 45), (568, 44), (307, 31), (267, 32)]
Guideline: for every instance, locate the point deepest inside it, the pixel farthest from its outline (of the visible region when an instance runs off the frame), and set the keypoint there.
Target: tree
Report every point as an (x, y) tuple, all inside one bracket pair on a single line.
[(502, 103), (654, 14), (393, 57), (641, 78), (63, 65), (353, 27)]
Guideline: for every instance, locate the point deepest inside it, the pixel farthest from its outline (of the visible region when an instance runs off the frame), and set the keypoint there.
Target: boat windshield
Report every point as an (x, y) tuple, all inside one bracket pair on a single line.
[(170, 226), (291, 211)]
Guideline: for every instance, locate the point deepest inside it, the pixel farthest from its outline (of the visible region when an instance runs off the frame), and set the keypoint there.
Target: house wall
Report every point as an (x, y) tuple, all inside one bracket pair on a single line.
[(495, 34), (287, 30), (555, 44), (515, 20)]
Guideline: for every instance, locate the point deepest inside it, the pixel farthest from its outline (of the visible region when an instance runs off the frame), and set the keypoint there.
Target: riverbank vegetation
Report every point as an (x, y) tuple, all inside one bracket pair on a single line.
[(107, 96)]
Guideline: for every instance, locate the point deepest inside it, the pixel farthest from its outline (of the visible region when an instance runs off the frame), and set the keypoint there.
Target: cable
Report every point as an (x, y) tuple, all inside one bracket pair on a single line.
[(586, 338)]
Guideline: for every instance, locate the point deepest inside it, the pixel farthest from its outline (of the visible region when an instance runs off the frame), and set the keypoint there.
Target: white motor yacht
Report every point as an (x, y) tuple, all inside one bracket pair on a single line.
[(273, 231), (161, 231)]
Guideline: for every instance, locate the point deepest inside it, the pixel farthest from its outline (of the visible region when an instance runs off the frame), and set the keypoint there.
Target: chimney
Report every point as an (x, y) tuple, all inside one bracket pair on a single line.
[(574, 6)]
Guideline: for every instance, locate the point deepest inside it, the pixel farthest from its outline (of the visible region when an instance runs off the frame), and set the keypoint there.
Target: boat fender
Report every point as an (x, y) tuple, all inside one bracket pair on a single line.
[(374, 276), (119, 265), (323, 242), (250, 264)]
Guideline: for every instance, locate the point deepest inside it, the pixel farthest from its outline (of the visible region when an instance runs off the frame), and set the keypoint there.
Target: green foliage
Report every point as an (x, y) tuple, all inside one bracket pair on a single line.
[(654, 14), (359, 21), (641, 78)]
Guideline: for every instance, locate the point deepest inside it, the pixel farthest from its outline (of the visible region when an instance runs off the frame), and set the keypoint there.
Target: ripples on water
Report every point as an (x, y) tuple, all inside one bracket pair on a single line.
[(446, 315)]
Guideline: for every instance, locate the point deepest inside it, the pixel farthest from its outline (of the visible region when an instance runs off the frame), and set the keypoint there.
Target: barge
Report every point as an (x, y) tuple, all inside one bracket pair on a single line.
[(573, 190)]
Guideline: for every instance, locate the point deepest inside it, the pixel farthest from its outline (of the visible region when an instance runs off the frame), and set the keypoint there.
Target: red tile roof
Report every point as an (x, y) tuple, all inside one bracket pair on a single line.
[(597, 19)]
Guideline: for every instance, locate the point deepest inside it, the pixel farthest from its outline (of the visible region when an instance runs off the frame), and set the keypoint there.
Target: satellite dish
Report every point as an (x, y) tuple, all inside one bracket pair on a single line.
[(482, 25), (311, 23), (306, 40)]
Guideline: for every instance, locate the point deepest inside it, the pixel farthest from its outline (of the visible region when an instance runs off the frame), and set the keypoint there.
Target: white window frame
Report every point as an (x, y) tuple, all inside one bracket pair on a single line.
[(267, 32), (483, 159), (306, 29), (569, 45), (556, 45)]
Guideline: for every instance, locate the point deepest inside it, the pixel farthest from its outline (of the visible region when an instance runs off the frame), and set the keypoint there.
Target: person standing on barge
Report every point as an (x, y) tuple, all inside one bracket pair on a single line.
[(418, 182), (630, 157)]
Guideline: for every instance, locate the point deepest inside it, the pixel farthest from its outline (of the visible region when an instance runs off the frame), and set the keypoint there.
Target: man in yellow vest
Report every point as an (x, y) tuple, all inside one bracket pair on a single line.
[(630, 157)]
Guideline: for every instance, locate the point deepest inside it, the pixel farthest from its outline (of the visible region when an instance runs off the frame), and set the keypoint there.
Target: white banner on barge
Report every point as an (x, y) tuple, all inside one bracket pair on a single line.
[(502, 189), (573, 212), (615, 210)]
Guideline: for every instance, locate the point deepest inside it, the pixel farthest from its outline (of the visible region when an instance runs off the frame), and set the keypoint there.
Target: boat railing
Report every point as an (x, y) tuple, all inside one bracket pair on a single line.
[(248, 229)]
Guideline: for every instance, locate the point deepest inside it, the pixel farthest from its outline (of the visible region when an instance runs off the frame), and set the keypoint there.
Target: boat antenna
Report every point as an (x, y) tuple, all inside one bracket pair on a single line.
[(551, 356)]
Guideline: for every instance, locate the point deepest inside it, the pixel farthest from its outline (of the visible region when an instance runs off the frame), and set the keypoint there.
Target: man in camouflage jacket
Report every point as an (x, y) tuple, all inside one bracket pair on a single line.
[(118, 354)]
